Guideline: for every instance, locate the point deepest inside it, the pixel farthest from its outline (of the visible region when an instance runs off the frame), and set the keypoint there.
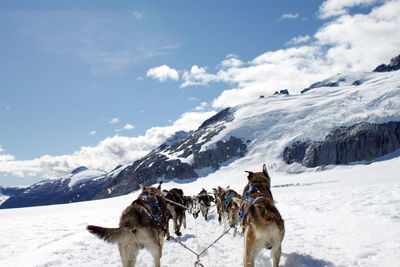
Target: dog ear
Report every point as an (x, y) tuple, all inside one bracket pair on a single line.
[(159, 185), (265, 171), (251, 174), (142, 187)]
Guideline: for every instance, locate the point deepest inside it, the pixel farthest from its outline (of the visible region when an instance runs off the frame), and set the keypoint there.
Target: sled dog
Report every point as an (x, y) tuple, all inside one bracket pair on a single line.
[(228, 204), (204, 199), (178, 213), (142, 225), (262, 222)]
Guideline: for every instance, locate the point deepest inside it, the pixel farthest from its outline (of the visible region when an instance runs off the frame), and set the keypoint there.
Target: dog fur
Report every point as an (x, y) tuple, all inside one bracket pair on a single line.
[(137, 228), (263, 224)]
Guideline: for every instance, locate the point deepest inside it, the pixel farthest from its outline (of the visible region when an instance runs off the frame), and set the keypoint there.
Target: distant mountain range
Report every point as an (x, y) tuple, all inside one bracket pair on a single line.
[(353, 116)]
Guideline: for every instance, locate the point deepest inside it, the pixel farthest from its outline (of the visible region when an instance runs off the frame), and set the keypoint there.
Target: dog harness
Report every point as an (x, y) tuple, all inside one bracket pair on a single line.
[(228, 199), (247, 197), (152, 204)]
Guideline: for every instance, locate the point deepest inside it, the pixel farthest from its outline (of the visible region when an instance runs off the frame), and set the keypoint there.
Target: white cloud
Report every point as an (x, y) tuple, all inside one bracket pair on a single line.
[(197, 76), (113, 120), (299, 40), (289, 16), (4, 156), (128, 126), (201, 107), (331, 8), (193, 99), (163, 73), (92, 132), (231, 60), (107, 154)]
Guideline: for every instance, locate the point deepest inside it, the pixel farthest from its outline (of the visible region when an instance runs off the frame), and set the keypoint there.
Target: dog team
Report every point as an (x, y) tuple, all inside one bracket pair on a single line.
[(144, 223)]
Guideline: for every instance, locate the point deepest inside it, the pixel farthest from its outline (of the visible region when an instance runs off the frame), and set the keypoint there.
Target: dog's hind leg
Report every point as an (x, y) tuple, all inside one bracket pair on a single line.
[(155, 247), (250, 247), (276, 255), (128, 251), (184, 220)]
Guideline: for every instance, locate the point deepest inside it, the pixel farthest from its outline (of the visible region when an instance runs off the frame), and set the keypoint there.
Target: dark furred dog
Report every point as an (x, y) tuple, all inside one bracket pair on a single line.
[(263, 224), (228, 204), (204, 199), (177, 212), (141, 226)]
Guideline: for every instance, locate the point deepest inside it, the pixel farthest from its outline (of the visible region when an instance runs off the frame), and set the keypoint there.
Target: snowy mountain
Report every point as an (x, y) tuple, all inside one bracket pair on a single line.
[(291, 133), (80, 185)]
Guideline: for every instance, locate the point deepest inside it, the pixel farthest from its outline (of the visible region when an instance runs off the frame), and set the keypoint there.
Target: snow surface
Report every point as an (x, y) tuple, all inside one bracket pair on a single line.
[(334, 215), (3, 198), (343, 216), (84, 176)]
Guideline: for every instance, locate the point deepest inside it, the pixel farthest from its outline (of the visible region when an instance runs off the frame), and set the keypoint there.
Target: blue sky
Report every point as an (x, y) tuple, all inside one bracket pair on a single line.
[(100, 83)]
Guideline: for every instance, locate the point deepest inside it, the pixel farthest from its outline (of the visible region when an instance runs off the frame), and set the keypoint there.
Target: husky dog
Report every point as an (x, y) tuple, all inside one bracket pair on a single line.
[(263, 225), (228, 204), (188, 202), (142, 225), (204, 200), (177, 212)]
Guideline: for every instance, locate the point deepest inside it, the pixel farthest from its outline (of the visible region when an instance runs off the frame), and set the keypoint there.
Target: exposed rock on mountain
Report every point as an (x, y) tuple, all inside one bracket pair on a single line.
[(347, 144), (393, 65), (321, 84), (10, 191)]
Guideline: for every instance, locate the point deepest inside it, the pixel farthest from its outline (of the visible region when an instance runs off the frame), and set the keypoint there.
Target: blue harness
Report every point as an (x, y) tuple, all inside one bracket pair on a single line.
[(152, 204), (228, 199), (247, 197)]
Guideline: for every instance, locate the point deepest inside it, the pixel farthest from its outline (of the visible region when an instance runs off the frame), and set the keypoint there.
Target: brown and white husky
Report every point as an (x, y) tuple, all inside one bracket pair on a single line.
[(142, 225), (263, 225)]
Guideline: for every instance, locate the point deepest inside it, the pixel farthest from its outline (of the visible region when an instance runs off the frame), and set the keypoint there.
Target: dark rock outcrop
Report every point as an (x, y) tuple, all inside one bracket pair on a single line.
[(282, 92), (79, 169), (11, 191), (393, 65), (320, 84), (361, 142)]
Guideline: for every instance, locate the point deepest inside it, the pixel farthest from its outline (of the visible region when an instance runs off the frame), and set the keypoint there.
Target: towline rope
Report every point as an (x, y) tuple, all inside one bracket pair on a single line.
[(197, 262)]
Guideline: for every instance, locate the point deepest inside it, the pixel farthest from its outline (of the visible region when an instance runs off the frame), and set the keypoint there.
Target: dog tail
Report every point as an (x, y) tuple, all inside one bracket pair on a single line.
[(111, 235)]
